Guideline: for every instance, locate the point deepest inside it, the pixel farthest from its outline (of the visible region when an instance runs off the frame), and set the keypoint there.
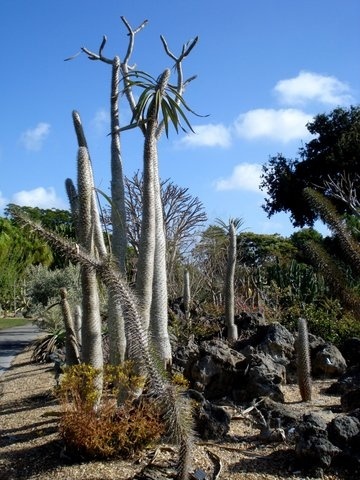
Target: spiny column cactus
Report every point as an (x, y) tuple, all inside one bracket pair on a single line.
[(88, 237), (77, 323), (187, 295), (303, 361), (176, 409), (229, 295), (72, 356)]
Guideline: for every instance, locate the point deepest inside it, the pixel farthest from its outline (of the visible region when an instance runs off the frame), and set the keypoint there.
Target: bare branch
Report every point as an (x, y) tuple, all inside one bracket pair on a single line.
[(131, 34), (186, 49), (94, 56), (103, 43), (125, 64), (344, 189)]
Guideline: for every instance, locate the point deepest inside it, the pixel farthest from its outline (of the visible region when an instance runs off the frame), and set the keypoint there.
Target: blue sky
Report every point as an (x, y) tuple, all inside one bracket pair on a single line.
[(264, 69)]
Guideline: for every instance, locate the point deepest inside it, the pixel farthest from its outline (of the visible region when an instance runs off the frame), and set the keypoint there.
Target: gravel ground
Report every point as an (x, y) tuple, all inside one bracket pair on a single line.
[(30, 447)]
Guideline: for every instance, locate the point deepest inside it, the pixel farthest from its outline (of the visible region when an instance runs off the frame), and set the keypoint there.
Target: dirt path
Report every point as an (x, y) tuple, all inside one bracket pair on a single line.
[(31, 449)]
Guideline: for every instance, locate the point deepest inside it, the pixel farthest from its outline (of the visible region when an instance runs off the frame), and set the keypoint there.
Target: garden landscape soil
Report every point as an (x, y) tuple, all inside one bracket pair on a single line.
[(30, 447)]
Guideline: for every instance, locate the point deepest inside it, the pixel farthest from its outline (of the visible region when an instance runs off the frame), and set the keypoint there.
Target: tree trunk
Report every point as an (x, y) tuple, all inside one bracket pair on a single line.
[(117, 340), (229, 285), (145, 266), (72, 356), (91, 325)]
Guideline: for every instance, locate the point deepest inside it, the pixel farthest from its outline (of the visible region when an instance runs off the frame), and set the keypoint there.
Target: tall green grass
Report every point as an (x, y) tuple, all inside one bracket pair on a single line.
[(13, 322)]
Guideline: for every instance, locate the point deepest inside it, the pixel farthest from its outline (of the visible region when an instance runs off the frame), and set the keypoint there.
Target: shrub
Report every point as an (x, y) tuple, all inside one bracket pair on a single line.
[(326, 319), (44, 284), (108, 430)]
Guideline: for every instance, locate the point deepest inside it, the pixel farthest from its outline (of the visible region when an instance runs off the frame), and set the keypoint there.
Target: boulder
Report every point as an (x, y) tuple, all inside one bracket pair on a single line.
[(327, 361), (277, 342), (351, 351), (350, 380), (279, 414), (185, 356), (343, 431), (211, 421), (313, 448), (350, 400), (217, 370), (262, 377)]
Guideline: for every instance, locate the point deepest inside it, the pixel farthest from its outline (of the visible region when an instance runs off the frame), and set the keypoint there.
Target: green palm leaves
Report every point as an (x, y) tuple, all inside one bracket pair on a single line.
[(158, 101)]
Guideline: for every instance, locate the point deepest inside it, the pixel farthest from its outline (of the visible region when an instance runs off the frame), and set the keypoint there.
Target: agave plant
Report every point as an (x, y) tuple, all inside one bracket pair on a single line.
[(46, 346)]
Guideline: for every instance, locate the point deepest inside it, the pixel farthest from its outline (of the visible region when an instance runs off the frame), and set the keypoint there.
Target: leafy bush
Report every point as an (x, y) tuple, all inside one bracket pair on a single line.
[(44, 284), (108, 430), (326, 319)]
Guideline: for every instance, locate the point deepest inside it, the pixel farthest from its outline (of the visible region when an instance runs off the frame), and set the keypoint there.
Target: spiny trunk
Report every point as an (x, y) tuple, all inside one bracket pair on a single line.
[(159, 304), (303, 361), (91, 325), (229, 286), (117, 340), (145, 266), (72, 356)]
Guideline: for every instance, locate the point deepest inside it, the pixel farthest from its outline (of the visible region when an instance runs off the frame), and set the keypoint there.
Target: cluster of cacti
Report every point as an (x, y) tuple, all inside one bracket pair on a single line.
[(176, 410), (133, 318), (303, 361)]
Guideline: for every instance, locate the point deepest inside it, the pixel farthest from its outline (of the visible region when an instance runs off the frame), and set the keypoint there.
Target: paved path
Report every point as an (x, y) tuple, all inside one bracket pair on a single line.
[(13, 341)]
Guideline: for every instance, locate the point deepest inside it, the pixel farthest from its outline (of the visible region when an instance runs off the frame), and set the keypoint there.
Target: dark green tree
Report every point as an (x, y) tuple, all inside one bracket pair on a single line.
[(261, 249), (56, 220), (333, 153), (19, 249)]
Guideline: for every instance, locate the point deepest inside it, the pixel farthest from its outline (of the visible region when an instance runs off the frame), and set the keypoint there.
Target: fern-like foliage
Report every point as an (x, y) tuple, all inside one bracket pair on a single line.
[(332, 270), (336, 224)]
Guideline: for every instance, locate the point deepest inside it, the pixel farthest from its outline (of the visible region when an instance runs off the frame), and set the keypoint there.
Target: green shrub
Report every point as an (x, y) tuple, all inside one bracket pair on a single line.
[(326, 319), (44, 284), (108, 430)]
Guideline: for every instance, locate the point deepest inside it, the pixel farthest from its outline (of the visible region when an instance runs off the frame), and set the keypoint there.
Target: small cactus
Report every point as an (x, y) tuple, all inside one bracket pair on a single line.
[(303, 361)]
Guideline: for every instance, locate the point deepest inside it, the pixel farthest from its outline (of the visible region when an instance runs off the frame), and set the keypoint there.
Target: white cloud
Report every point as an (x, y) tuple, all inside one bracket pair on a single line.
[(209, 135), (39, 197), (101, 121), (308, 86), (33, 138), (281, 125), (245, 176)]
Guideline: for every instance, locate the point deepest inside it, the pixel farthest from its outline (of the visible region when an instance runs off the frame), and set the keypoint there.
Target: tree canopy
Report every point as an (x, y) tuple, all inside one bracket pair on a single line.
[(332, 154)]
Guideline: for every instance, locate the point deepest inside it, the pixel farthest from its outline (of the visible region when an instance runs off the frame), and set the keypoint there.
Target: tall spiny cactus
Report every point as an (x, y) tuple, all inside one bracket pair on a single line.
[(187, 294), (159, 298), (71, 341), (229, 295), (176, 409), (157, 97), (77, 323), (117, 343), (303, 361), (91, 325), (334, 273), (117, 338)]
